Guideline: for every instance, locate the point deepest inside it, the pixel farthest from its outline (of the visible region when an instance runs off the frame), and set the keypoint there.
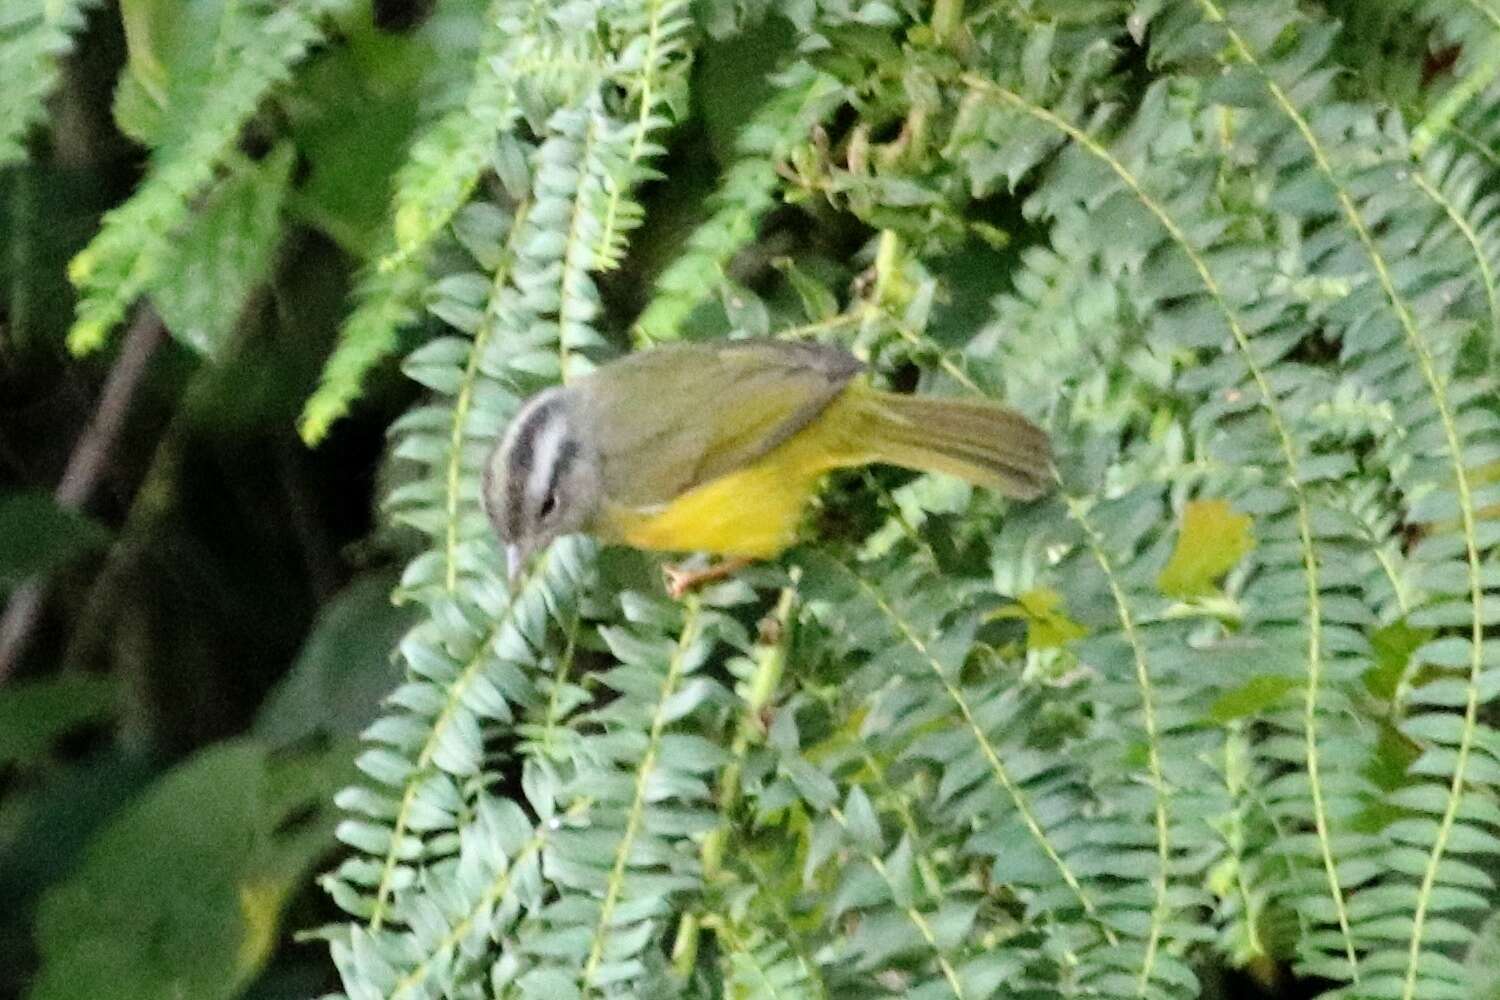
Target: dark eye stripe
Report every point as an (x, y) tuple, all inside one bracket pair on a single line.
[(518, 467), (567, 453)]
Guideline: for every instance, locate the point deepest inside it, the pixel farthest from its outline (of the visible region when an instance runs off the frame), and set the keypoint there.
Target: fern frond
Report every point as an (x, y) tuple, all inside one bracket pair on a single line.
[(523, 48), (1419, 328), (646, 778), (1195, 269), (653, 73), (386, 302), (1473, 28), (1452, 183), (34, 36), (1016, 798), (518, 323), (261, 45), (499, 849), (448, 159), (1454, 174), (744, 197), (764, 967), (223, 253), (1237, 289)]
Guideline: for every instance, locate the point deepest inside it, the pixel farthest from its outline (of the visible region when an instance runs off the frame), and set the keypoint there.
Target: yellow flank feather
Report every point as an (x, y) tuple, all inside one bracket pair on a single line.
[(754, 511)]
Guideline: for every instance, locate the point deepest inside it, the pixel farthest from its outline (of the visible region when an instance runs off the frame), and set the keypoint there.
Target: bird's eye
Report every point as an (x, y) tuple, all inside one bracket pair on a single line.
[(548, 506)]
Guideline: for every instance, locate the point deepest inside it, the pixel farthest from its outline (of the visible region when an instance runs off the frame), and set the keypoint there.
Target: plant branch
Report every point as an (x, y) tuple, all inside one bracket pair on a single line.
[(85, 466)]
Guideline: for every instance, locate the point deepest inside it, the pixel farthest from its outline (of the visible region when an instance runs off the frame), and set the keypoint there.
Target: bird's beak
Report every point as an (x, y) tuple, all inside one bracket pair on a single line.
[(515, 561)]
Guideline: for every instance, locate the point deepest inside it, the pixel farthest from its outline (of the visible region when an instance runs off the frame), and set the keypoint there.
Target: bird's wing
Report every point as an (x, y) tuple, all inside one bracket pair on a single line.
[(671, 418)]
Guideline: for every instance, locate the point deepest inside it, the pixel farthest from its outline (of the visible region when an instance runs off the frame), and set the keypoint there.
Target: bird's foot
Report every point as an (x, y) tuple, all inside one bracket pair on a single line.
[(682, 579)]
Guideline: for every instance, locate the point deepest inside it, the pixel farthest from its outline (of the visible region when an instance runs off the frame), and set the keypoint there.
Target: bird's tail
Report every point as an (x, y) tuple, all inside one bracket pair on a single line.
[(981, 442)]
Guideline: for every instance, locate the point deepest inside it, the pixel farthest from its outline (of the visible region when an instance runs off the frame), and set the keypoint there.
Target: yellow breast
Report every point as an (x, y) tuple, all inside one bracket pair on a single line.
[(752, 512)]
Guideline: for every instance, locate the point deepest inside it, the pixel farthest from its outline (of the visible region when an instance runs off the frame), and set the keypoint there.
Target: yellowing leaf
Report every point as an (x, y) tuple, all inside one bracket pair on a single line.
[(1214, 537), (261, 900), (1047, 626)]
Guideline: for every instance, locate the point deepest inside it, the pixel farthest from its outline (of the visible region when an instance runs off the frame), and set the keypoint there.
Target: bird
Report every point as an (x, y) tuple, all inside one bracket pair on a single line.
[(718, 446)]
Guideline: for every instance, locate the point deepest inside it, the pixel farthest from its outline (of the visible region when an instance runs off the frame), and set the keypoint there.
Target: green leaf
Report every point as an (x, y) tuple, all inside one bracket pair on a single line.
[(818, 303), (1388, 768), (35, 35), (1393, 645), (165, 40), (252, 49), (1214, 537), (1253, 697), (35, 713), (1483, 959), (344, 669), (170, 47), (223, 254), (356, 109), (37, 536), (45, 826), (182, 894)]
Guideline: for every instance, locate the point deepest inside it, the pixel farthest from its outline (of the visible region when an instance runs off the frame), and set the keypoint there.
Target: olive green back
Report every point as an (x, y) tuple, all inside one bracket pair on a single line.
[(668, 419)]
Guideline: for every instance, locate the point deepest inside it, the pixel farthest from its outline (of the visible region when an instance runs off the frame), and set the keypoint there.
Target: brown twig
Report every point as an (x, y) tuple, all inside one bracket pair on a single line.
[(85, 466)]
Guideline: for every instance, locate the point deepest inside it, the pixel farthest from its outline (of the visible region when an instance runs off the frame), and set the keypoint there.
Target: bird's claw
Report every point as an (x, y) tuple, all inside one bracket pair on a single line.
[(682, 580)]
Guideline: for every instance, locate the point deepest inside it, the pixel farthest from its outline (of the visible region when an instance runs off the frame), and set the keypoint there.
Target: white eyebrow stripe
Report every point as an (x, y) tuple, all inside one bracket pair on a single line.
[(545, 451)]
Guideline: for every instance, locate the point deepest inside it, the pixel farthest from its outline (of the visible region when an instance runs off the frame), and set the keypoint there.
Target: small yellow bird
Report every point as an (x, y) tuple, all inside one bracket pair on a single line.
[(717, 447)]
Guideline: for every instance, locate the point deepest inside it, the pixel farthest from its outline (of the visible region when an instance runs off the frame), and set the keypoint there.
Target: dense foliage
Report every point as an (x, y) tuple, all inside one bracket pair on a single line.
[(1221, 708)]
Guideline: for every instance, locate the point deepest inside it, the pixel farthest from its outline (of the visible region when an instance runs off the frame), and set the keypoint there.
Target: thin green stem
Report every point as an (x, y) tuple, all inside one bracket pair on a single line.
[(1294, 481), (1160, 910), (612, 890), (1467, 513), (991, 755), (384, 886), (463, 402)]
